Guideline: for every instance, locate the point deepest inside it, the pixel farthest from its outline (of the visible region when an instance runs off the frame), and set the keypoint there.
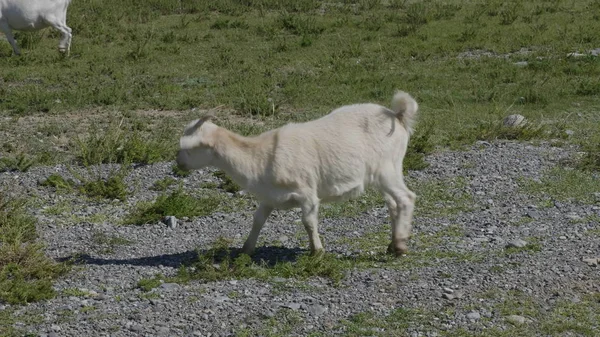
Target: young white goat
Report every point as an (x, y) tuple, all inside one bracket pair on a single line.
[(333, 158), (30, 15)]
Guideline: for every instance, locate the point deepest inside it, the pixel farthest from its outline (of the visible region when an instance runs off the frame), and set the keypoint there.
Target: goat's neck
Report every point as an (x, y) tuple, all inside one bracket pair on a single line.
[(238, 156)]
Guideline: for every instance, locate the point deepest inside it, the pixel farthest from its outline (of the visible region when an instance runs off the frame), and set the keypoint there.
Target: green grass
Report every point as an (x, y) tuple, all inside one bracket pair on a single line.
[(271, 62), (564, 184), (179, 204), (218, 263), (26, 274), (162, 185), (226, 184), (110, 188), (123, 144)]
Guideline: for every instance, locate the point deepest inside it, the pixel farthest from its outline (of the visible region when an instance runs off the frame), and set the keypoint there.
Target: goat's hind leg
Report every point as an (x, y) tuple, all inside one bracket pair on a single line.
[(10, 37), (401, 203), (310, 219)]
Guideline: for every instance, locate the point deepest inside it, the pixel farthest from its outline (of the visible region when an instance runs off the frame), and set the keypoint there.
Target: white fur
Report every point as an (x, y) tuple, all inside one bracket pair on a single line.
[(330, 159), (29, 15)]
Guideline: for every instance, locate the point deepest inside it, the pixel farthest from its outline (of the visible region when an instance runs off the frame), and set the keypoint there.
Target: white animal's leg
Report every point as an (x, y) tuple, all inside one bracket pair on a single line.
[(10, 37), (64, 46), (310, 219), (393, 185), (393, 210), (260, 217)]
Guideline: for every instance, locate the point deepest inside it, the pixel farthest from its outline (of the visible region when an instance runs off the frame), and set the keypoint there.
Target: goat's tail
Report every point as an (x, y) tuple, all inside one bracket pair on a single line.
[(405, 108)]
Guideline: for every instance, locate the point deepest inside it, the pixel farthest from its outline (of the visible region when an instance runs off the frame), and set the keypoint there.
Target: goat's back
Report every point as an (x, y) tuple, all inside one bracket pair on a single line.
[(342, 150)]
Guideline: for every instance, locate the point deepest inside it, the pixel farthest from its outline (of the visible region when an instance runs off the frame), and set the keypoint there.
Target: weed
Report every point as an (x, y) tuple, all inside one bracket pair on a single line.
[(119, 145), (149, 284), (564, 184), (178, 204), (162, 185), (22, 163), (419, 146), (533, 246), (111, 188), (59, 183), (218, 263), (179, 172), (109, 240), (591, 159), (226, 184)]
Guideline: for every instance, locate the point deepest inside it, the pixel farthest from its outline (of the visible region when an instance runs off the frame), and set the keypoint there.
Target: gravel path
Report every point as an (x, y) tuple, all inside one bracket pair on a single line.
[(467, 278)]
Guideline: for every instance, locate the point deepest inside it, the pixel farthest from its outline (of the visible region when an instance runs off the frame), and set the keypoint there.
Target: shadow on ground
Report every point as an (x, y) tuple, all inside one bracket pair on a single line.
[(268, 256)]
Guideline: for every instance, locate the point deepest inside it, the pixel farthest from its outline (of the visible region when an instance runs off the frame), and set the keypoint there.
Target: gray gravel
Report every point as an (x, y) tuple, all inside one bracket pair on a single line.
[(114, 306)]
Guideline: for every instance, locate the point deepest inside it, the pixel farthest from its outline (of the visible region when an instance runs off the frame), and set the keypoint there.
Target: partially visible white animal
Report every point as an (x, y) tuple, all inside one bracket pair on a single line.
[(30, 15), (333, 158)]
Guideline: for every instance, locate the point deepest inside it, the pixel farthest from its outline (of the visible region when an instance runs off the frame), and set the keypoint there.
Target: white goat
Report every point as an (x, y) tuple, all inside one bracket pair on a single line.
[(30, 15), (333, 158)]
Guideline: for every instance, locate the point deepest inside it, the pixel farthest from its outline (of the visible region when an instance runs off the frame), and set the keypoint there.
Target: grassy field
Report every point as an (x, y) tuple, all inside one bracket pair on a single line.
[(138, 72)]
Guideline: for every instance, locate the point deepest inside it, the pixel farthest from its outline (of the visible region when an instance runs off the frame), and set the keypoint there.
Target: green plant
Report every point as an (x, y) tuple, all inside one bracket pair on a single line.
[(22, 163), (162, 185), (58, 182), (226, 184), (179, 172), (149, 284), (112, 187), (26, 274), (178, 204)]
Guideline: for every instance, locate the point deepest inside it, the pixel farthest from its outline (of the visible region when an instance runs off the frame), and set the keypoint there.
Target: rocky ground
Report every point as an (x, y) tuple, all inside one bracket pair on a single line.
[(462, 277)]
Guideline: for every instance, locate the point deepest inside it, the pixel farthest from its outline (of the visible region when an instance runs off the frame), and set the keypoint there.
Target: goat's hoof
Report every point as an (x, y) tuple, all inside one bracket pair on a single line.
[(247, 251), (399, 248)]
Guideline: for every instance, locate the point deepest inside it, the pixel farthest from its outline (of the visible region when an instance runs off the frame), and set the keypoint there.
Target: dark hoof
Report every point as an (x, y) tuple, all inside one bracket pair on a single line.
[(398, 249)]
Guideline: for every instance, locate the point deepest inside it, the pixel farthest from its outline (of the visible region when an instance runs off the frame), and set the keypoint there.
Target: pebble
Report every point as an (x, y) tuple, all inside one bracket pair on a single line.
[(316, 310), (517, 243), (516, 319), (171, 221), (514, 120), (474, 315), (592, 261)]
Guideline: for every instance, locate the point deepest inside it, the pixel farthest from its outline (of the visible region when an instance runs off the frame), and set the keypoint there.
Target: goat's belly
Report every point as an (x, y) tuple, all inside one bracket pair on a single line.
[(343, 193), (25, 25)]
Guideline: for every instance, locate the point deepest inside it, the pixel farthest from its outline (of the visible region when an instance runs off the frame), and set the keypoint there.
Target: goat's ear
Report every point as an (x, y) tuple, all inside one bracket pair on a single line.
[(202, 120)]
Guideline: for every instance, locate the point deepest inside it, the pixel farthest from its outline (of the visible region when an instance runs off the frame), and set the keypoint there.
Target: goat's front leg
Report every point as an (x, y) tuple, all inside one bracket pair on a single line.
[(10, 37), (310, 219), (260, 217)]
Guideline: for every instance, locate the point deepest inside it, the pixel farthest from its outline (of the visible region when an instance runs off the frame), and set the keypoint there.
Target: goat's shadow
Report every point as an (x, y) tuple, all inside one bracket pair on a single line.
[(267, 256)]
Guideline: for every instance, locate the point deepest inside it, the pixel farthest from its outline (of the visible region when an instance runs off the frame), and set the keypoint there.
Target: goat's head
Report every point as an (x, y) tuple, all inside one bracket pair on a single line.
[(196, 144)]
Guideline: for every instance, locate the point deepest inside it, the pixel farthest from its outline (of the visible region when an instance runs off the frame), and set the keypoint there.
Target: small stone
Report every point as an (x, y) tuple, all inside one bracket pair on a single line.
[(473, 315), (569, 132), (136, 327), (521, 63), (169, 286), (171, 221), (448, 290), (55, 327), (283, 239), (517, 243), (514, 120), (197, 334), (52, 334), (592, 261), (316, 310), (447, 296), (533, 214), (163, 331), (515, 319), (562, 237), (292, 305)]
